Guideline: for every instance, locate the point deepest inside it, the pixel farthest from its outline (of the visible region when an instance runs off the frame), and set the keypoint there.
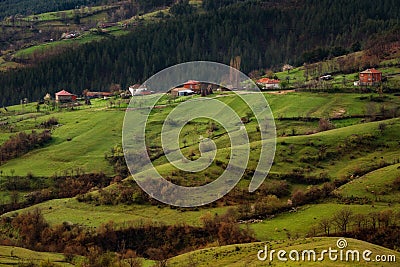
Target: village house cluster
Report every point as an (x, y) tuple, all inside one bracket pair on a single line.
[(369, 77)]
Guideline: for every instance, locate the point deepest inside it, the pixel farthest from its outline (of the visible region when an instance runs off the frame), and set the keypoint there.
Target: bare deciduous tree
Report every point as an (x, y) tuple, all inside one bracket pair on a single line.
[(342, 219)]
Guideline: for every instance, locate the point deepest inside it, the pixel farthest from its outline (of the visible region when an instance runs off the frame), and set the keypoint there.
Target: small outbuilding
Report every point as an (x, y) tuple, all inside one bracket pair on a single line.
[(182, 91)]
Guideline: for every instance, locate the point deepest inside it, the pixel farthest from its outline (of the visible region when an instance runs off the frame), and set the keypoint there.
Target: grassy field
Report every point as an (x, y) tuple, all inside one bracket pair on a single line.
[(56, 20), (15, 256), (297, 76), (69, 14), (246, 254), (374, 186), (58, 211), (94, 131), (299, 223), (65, 20), (91, 132), (86, 37)]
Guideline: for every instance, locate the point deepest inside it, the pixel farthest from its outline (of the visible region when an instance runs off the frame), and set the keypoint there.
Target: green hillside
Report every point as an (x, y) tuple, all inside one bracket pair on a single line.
[(80, 141), (246, 254), (300, 28), (16, 256), (374, 186), (68, 198), (352, 153), (93, 131), (58, 211)]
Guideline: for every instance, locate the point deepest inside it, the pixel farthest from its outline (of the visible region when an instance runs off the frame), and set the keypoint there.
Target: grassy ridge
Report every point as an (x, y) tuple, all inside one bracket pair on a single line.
[(61, 210), (246, 254), (94, 131), (374, 186), (13, 256), (91, 133), (57, 211), (299, 223)]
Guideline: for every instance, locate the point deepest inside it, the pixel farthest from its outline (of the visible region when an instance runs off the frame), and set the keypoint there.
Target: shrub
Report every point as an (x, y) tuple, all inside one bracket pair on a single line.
[(50, 122), (325, 125)]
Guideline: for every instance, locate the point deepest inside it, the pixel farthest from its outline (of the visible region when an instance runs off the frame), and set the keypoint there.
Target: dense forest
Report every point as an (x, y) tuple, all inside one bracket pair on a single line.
[(264, 34)]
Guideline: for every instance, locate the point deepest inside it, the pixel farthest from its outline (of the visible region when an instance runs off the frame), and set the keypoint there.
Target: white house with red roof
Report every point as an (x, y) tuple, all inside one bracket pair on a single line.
[(267, 83), (192, 85), (65, 96)]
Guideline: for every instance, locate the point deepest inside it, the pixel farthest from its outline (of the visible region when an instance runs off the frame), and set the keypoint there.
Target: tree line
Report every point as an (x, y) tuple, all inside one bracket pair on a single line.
[(154, 241), (378, 227), (21, 143), (43, 189)]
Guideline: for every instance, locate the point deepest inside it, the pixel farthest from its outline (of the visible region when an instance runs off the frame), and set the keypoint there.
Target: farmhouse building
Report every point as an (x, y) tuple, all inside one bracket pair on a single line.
[(64, 97), (370, 77), (267, 83), (192, 85)]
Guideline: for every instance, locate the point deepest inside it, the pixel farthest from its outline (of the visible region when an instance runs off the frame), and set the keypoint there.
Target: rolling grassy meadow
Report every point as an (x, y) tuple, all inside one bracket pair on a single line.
[(353, 147), (14, 256), (246, 254)]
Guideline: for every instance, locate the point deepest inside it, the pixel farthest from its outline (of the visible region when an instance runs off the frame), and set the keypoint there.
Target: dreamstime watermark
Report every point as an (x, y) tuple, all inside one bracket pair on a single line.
[(340, 253), (140, 109)]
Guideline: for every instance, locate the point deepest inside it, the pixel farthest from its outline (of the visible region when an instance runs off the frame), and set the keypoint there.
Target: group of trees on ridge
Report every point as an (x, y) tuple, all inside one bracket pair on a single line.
[(377, 227), (22, 143), (150, 240)]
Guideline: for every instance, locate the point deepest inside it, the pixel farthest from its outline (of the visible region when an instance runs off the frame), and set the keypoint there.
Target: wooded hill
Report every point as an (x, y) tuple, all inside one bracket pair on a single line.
[(28, 7), (264, 34)]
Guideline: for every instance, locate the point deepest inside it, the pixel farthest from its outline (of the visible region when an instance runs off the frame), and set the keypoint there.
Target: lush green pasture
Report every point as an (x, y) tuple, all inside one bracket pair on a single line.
[(374, 186), (94, 131), (14, 256), (80, 141), (246, 254), (298, 224), (58, 211), (324, 104), (68, 14), (295, 75), (41, 48), (292, 152)]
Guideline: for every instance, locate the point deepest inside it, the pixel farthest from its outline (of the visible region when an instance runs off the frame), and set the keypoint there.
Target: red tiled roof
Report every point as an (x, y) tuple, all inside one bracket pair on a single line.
[(64, 93), (373, 70), (191, 82), (267, 81)]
